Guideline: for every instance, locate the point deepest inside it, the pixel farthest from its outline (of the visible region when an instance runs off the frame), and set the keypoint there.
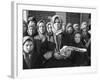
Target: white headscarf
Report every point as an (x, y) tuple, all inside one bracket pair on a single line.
[(53, 19)]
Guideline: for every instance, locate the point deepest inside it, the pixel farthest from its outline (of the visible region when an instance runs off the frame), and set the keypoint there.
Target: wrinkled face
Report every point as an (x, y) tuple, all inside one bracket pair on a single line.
[(70, 29), (31, 30), (28, 46), (57, 24), (77, 38), (41, 28), (49, 28)]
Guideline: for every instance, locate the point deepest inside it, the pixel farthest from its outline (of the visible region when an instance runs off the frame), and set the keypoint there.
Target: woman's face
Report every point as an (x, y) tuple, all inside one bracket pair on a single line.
[(70, 29), (77, 38), (84, 26), (57, 24), (28, 46), (31, 30), (76, 28), (41, 28), (49, 28)]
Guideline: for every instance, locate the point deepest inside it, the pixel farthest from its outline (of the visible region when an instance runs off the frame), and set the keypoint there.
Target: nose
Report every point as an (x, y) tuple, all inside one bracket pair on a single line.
[(28, 47)]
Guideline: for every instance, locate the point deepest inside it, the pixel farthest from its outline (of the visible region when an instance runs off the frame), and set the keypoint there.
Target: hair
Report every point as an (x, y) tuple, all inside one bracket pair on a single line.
[(76, 24), (78, 33), (49, 23), (83, 27), (32, 19), (56, 17), (53, 21), (67, 26), (41, 21), (27, 38)]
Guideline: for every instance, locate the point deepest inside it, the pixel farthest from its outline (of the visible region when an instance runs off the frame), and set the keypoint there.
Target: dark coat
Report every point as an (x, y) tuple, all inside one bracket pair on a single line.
[(79, 58), (41, 48), (67, 39)]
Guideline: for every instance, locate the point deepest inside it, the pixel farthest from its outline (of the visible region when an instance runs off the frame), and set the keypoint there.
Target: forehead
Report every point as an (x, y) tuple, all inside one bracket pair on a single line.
[(69, 24), (32, 22), (84, 23), (57, 19), (41, 24), (29, 42), (77, 35), (49, 25), (69, 27), (31, 27), (75, 25)]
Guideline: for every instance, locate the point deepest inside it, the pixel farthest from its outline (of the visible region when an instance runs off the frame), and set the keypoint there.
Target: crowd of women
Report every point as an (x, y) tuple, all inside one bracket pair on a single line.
[(42, 43)]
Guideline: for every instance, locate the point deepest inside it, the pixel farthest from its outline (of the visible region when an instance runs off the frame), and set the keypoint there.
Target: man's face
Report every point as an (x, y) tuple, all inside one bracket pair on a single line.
[(28, 46), (41, 28), (77, 38)]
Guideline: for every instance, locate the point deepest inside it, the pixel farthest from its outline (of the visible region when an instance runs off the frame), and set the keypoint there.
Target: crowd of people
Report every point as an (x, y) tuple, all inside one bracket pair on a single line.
[(42, 44)]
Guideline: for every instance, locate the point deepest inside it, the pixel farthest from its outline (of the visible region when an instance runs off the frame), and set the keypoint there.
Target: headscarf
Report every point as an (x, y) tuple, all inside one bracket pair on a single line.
[(27, 38), (53, 20)]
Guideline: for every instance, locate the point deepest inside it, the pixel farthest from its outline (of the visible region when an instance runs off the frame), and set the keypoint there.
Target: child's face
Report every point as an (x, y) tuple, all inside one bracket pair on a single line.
[(49, 28), (70, 29), (28, 46), (41, 28), (77, 38), (57, 24)]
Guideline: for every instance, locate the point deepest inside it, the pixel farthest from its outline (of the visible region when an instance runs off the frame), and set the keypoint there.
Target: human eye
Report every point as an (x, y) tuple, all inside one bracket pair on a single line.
[(27, 45)]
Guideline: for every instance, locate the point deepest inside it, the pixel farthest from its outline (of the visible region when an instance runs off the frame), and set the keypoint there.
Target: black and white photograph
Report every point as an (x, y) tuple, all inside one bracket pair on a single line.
[(55, 39), (50, 40)]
